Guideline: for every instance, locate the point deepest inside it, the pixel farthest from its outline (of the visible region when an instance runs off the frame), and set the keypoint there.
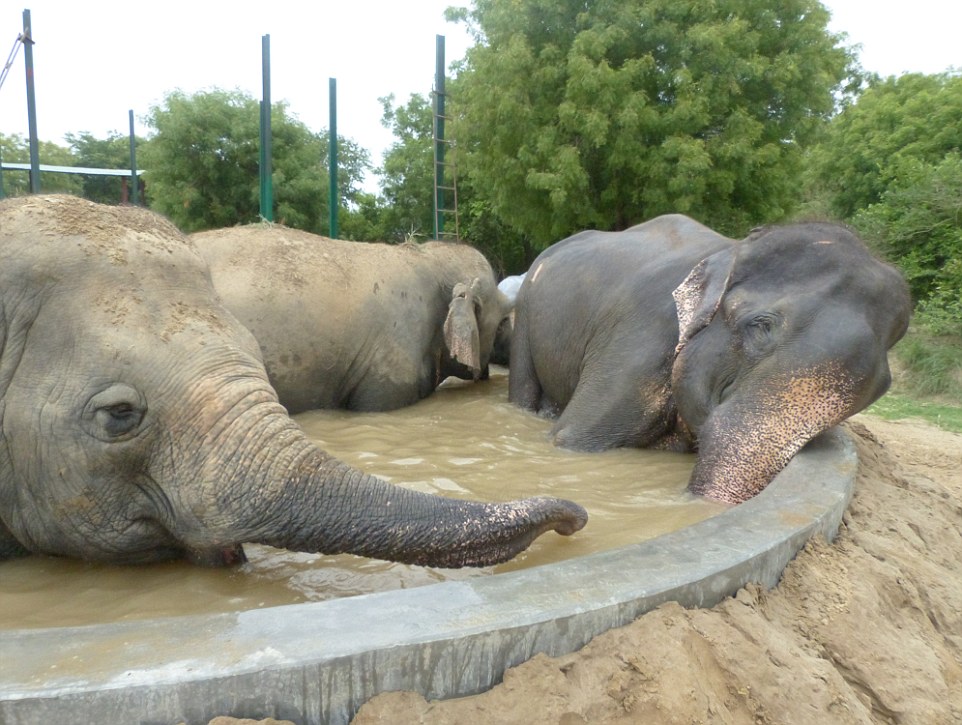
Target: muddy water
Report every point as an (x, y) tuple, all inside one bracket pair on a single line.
[(464, 441)]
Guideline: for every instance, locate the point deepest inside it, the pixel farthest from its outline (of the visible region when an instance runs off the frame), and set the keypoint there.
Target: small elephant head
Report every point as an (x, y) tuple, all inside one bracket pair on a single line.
[(472, 323), (780, 337)]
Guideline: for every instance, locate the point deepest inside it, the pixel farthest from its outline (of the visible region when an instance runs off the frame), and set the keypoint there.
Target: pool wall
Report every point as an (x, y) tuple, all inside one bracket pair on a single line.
[(318, 663)]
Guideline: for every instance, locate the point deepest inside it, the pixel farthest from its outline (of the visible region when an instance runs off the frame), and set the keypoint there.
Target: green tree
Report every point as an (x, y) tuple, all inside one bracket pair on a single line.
[(16, 149), (604, 114), (203, 164), (112, 152), (895, 125), (918, 224), (407, 174), (407, 187)]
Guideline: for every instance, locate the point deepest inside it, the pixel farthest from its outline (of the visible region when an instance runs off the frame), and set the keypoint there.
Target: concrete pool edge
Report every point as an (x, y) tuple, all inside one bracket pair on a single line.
[(317, 663)]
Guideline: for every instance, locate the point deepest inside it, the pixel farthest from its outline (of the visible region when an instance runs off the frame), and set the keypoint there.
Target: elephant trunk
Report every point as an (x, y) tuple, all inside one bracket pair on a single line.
[(305, 500), (743, 444)]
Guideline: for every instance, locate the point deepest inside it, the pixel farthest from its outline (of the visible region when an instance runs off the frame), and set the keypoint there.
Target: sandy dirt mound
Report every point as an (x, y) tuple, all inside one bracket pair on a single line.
[(867, 629)]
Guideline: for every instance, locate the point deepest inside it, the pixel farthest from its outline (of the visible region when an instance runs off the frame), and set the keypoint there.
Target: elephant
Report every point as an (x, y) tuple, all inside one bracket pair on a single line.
[(501, 353), (357, 325), (137, 422), (669, 335)]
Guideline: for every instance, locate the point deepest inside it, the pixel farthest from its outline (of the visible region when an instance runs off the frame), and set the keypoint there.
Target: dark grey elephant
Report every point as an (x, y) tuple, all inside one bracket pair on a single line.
[(137, 422), (357, 325), (670, 335)]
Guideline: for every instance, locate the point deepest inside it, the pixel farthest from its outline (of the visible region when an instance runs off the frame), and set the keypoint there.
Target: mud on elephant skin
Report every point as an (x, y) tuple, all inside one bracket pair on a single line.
[(137, 422), (357, 325), (670, 335)]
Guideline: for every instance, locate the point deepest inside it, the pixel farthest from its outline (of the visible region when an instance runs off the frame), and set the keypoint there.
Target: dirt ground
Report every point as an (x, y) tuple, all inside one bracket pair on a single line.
[(867, 629)]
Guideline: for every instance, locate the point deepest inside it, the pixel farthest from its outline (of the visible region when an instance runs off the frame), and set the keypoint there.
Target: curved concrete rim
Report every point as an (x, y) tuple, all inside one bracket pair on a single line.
[(319, 662)]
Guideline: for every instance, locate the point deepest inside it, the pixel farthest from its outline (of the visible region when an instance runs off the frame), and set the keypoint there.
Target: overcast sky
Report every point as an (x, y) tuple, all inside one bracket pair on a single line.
[(94, 60)]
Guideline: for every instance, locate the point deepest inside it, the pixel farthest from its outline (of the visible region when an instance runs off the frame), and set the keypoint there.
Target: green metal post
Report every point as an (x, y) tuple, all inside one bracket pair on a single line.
[(31, 106), (134, 180), (266, 175), (439, 137), (332, 199)]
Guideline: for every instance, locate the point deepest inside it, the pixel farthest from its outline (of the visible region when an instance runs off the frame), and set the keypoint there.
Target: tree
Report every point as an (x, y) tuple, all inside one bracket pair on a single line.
[(112, 152), (571, 114), (16, 149), (896, 124), (918, 224), (407, 185), (202, 163)]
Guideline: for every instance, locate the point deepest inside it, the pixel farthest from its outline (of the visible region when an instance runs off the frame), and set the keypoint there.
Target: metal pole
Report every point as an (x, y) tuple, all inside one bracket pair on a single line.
[(267, 183), (439, 137), (134, 181), (332, 160), (31, 106)]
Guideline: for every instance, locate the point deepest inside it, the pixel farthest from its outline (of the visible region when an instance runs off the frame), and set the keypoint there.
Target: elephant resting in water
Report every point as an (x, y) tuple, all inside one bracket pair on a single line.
[(670, 335), (137, 422), (356, 325)]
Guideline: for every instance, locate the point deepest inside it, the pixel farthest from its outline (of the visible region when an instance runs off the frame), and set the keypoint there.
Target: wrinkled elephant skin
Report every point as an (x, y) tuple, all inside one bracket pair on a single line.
[(669, 335), (357, 325), (137, 422)]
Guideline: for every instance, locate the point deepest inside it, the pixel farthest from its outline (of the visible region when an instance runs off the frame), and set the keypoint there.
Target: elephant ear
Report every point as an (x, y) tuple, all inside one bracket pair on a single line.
[(461, 333), (697, 298)]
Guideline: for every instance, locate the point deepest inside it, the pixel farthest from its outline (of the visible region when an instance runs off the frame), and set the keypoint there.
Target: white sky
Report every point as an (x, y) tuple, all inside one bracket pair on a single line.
[(95, 60)]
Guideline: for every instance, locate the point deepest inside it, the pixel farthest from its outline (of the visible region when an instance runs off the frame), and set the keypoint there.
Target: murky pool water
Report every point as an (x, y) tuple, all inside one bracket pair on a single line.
[(464, 441)]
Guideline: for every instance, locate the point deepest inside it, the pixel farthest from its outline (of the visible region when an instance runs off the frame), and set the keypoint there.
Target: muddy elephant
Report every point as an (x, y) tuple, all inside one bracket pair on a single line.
[(356, 325), (137, 422), (670, 335)]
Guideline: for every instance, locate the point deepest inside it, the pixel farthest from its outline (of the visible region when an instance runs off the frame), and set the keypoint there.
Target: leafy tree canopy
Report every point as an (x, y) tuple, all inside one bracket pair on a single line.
[(407, 186), (604, 114), (896, 124), (16, 149), (407, 175), (918, 224), (203, 163), (112, 152)]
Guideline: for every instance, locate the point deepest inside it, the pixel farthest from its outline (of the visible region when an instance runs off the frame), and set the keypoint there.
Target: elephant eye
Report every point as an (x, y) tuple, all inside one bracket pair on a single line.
[(762, 324), (118, 420), (759, 331), (115, 413)]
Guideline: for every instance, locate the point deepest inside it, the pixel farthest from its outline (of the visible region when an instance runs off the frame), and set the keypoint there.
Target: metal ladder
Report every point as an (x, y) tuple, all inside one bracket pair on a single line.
[(445, 185)]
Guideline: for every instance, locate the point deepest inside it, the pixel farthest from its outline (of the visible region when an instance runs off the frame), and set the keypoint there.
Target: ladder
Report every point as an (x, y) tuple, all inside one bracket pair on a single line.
[(445, 177)]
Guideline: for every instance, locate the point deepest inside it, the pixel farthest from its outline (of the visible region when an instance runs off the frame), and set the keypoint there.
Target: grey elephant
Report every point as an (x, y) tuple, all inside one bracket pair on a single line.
[(356, 325), (137, 423), (670, 335)]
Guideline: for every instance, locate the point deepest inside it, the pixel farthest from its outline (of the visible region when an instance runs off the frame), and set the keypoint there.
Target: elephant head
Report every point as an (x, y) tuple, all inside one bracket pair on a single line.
[(780, 337), (475, 316), (137, 422)]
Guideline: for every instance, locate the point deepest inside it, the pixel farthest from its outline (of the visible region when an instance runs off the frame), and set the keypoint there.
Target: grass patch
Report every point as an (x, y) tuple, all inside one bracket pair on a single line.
[(927, 380), (896, 406)]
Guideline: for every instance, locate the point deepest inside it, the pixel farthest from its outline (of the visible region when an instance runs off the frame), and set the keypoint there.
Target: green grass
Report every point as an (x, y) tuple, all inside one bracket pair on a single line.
[(895, 406), (927, 372)]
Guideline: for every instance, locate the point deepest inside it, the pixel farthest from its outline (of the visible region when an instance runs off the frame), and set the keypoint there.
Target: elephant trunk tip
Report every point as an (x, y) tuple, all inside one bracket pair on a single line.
[(569, 517), (519, 524)]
